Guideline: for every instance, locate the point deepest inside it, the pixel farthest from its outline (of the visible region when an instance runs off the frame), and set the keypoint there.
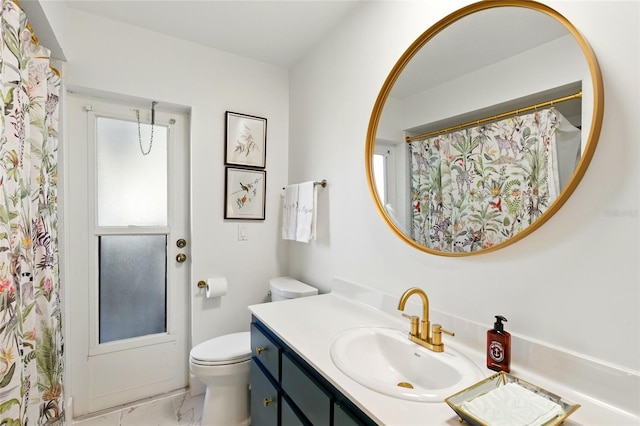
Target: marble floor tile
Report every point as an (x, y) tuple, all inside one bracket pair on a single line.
[(155, 413), (188, 409), (175, 409), (110, 419)]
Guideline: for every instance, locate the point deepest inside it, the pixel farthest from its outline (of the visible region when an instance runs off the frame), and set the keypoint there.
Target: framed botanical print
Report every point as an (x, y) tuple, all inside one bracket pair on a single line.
[(246, 140), (244, 193)]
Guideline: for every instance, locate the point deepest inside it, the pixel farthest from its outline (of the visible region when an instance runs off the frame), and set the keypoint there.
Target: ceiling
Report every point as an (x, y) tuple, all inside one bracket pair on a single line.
[(272, 31)]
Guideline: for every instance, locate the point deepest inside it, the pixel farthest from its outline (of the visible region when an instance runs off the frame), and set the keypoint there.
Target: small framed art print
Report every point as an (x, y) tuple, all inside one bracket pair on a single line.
[(244, 193), (246, 140)]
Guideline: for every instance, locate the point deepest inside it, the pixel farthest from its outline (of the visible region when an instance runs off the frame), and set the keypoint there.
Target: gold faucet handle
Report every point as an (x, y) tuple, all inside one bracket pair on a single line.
[(415, 321), (437, 334)]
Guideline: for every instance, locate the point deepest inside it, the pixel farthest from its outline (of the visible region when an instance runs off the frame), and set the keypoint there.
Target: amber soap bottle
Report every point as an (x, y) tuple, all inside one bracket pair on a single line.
[(498, 346)]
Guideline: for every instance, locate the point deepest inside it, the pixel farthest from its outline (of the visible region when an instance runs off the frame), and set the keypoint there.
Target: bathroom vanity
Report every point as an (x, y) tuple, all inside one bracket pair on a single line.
[(295, 381), (286, 390), (293, 378)]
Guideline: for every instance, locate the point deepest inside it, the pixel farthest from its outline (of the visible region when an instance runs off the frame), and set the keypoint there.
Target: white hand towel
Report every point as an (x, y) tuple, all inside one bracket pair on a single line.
[(307, 200), (290, 212), (512, 405)]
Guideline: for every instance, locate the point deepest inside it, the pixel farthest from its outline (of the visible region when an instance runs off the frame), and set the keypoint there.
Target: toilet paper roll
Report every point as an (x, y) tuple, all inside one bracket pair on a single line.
[(216, 287)]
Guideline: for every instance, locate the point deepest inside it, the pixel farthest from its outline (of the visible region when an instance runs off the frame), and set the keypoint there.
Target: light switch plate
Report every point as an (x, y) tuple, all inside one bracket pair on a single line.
[(242, 233)]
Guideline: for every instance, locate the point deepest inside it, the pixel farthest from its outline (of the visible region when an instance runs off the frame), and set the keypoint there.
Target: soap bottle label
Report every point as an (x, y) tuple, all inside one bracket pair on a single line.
[(496, 351)]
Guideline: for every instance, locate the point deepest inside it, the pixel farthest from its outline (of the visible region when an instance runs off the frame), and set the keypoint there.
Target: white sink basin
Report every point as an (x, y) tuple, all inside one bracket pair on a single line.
[(386, 361)]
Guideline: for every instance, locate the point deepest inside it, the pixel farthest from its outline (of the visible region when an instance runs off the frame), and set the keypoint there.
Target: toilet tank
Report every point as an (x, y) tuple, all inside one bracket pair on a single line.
[(283, 288)]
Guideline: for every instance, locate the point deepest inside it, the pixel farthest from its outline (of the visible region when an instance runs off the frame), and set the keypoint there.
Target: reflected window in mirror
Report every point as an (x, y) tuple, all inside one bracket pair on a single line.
[(390, 168), (380, 174)]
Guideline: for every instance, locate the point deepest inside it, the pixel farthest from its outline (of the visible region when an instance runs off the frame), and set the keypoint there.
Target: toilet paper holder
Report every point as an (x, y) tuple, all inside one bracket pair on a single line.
[(213, 287)]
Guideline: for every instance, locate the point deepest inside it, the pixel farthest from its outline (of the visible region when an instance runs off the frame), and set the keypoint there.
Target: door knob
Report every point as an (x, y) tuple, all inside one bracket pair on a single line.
[(181, 257)]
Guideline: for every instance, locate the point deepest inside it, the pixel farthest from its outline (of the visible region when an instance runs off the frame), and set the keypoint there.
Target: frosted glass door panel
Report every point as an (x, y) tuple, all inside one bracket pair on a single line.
[(132, 187), (133, 286)]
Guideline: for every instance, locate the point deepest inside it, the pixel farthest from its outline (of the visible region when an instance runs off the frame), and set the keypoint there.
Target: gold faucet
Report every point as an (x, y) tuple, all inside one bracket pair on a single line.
[(421, 334)]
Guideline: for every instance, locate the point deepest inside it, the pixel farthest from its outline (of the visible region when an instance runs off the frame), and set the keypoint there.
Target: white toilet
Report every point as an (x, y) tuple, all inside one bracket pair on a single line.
[(283, 288), (223, 364)]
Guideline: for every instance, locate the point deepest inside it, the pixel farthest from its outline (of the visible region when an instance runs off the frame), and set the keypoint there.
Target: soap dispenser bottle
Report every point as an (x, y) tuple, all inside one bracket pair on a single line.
[(498, 346)]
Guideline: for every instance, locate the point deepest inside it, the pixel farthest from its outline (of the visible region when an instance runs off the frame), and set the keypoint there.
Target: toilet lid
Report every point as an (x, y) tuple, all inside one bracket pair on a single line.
[(291, 288), (227, 349)]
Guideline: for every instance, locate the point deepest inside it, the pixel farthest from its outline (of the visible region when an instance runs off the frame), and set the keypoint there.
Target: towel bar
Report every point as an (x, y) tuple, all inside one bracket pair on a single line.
[(322, 183)]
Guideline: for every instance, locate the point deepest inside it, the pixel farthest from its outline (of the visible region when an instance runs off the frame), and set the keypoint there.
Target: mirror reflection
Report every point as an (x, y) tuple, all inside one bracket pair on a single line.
[(483, 129)]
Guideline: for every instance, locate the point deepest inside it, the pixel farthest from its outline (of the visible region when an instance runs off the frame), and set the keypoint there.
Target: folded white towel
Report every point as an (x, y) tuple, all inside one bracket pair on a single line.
[(290, 212), (512, 405), (307, 200)]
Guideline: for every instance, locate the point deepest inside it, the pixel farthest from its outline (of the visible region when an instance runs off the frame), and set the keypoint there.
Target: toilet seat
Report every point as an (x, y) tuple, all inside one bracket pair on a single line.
[(223, 350)]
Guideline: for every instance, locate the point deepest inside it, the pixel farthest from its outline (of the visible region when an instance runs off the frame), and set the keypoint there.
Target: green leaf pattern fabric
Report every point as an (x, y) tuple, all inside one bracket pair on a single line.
[(477, 187), (31, 344)]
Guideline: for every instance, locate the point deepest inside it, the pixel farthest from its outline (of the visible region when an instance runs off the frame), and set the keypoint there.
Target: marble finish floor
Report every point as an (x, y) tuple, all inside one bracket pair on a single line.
[(174, 409)]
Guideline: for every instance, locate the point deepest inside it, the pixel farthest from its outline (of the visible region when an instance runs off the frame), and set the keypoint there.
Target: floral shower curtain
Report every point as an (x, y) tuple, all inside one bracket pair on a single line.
[(31, 346), (475, 188)]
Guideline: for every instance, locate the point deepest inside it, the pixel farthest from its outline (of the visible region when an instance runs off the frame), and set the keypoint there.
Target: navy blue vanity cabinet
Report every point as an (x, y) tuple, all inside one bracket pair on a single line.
[(287, 391), (306, 392), (264, 397), (342, 417), (289, 416), (265, 378), (266, 350)]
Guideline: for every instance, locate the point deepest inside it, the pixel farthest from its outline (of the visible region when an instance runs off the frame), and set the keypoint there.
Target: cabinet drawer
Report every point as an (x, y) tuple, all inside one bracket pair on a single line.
[(264, 398), (266, 350), (305, 392)]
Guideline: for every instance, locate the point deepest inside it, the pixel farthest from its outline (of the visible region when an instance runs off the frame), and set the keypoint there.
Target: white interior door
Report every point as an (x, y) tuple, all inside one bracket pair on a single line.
[(127, 251)]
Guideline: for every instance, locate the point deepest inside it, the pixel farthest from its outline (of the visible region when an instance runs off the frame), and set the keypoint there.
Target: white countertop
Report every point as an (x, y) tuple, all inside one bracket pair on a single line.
[(308, 325)]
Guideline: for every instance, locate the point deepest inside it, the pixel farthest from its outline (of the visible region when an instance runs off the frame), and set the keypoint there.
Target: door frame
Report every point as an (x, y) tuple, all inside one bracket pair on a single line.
[(82, 340)]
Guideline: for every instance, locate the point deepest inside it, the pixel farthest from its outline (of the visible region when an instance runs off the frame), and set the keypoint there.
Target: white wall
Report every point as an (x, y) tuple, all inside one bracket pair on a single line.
[(574, 283), (125, 61), (549, 66)]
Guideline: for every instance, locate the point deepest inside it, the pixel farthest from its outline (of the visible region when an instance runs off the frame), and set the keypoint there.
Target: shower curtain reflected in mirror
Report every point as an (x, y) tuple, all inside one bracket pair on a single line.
[(477, 187)]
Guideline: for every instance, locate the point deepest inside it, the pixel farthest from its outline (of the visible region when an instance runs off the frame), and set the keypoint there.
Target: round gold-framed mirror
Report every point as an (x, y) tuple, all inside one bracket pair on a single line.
[(484, 127)]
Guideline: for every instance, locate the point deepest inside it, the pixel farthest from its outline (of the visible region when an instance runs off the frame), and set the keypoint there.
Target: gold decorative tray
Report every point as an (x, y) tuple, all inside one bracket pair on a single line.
[(468, 410)]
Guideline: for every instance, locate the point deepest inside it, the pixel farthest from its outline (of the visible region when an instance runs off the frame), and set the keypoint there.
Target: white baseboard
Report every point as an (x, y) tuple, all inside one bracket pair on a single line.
[(68, 410)]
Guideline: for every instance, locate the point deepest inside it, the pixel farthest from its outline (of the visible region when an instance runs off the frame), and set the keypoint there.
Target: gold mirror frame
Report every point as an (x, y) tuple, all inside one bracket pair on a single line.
[(592, 140)]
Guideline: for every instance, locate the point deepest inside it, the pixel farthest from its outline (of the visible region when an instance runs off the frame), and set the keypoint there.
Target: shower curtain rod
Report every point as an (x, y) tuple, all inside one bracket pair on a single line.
[(551, 102)]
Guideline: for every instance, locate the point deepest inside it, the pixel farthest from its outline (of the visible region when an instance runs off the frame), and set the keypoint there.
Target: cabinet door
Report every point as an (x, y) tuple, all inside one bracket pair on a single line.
[(310, 397), (289, 416), (266, 350), (342, 417), (264, 398)]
